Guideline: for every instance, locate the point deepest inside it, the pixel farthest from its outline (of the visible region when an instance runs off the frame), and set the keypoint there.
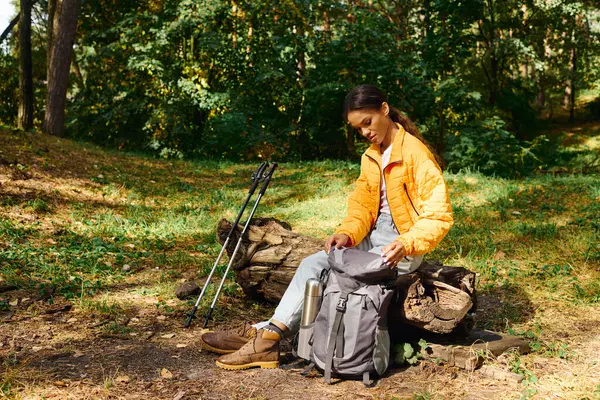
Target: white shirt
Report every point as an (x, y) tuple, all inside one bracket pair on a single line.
[(384, 207)]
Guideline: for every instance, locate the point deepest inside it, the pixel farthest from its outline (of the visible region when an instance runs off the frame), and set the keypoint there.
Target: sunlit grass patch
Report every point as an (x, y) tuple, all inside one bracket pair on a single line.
[(104, 306)]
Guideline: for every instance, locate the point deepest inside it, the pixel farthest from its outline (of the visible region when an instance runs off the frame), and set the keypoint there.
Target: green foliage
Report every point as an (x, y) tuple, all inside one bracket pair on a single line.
[(422, 396), (250, 80), (408, 352), (485, 145), (255, 80), (38, 205), (9, 86)]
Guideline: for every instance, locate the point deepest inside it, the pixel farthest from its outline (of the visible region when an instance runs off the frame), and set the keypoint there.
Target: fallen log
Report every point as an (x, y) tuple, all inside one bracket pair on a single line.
[(435, 298)]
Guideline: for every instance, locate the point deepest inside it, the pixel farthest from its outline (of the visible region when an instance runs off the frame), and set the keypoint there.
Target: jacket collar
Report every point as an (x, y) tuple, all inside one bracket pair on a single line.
[(374, 151)]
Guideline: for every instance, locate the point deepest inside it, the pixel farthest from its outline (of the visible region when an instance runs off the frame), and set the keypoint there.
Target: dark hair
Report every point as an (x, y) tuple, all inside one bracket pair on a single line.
[(369, 97)]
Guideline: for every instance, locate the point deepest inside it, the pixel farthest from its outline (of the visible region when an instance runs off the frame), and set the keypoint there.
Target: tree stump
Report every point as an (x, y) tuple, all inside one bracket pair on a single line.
[(435, 298)]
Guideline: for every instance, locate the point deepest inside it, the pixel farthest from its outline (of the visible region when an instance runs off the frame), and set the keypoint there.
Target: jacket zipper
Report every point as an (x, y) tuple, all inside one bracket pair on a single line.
[(386, 189), (409, 199)]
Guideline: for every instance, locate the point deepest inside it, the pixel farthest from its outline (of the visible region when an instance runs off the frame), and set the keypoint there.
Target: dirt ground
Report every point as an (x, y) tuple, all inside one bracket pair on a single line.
[(54, 351)]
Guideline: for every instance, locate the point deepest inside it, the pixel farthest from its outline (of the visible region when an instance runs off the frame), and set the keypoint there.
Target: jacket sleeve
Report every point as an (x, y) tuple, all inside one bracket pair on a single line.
[(359, 220), (435, 215)]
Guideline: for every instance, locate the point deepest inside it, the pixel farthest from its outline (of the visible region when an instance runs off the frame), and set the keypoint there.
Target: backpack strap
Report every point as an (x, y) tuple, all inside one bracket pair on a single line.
[(307, 370), (339, 341), (367, 379), (333, 336)]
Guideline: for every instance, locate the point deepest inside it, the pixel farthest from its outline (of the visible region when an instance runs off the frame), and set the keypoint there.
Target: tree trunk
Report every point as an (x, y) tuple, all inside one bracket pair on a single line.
[(573, 78), (64, 26), (301, 81), (50, 34), (78, 75), (541, 96), (25, 119), (436, 298)]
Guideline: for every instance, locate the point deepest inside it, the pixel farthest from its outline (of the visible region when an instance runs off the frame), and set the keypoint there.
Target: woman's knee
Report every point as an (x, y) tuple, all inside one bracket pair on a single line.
[(312, 265)]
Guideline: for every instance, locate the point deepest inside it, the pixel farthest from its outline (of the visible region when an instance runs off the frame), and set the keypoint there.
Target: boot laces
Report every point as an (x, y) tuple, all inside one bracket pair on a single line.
[(241, 330)]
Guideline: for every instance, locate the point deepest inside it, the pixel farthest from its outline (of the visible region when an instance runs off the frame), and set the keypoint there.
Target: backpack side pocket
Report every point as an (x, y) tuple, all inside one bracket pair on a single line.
[(381, 352)]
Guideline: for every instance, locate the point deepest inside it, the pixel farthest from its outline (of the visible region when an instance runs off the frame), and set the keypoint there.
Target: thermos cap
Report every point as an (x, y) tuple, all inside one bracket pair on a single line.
[(314, 288)]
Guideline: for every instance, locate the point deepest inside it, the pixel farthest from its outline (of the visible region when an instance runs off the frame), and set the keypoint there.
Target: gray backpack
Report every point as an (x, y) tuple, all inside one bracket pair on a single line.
[(350, 337)]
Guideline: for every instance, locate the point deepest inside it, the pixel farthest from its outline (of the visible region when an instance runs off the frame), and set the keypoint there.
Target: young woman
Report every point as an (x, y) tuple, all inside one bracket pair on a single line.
[(400, 209)]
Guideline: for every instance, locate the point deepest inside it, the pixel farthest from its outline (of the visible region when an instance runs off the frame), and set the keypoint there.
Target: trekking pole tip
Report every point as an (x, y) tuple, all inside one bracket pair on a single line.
[(191, 316), (207, 317)]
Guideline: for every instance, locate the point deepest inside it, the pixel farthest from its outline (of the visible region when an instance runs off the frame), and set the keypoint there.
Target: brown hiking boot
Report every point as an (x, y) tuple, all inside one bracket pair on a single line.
[(261, 351), (228, 341)]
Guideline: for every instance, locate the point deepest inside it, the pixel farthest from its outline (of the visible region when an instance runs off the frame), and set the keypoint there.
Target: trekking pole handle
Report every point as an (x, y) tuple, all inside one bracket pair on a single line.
[(267, 178), (257, 175)]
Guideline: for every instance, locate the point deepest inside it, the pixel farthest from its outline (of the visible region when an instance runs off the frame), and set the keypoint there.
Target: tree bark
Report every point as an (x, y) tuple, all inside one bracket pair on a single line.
[(50, 33), (572, 91), (64, 26), (25, 115), (436, 298)]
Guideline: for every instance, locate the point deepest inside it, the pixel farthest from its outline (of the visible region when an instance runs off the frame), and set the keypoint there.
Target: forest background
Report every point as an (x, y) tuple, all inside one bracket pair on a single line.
[(266, 80)]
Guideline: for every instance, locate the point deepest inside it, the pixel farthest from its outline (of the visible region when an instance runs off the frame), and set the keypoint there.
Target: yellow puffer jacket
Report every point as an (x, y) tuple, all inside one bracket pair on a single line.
[(416, 192)]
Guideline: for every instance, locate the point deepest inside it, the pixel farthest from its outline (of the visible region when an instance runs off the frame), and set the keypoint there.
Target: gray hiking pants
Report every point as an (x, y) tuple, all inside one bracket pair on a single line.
[(289, 310)]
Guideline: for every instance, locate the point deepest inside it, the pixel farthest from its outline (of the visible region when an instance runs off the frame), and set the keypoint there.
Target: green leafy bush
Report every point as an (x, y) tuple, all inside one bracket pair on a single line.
[(408, 353), (9, 86), (487, 146)]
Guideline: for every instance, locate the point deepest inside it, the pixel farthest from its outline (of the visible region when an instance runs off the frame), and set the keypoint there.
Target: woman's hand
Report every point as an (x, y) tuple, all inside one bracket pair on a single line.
[(393, 253), (339, 240)]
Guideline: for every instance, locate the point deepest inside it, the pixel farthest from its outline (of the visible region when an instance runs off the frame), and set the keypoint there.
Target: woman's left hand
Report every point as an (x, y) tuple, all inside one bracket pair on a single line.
[(393, 253)]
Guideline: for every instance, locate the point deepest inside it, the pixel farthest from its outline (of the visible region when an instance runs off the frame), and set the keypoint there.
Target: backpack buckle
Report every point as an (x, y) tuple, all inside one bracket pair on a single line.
[(341, 304)]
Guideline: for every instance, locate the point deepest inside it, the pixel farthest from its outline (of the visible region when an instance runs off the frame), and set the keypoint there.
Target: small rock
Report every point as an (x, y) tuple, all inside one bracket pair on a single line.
[(14, 302), (71, 320), (187, 289), (179, 395), (165, 373), (161, 318), (516, 213), (122, 379), (126, 268), (499, 374), (100, 176)]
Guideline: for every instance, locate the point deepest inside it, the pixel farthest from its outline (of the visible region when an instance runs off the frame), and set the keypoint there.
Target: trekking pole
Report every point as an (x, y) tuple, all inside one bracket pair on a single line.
[(237, 247), (257, 176)]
